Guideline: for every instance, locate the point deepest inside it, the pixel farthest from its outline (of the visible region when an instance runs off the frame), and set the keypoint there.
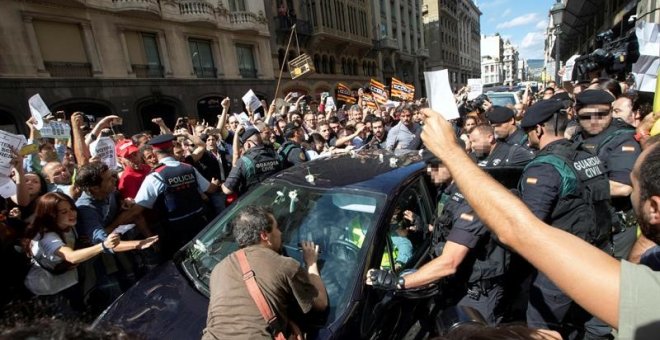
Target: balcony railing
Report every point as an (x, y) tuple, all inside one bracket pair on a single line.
[(248, 73), (197, 11), (423, 52), (151, 6), (68, 70), (205, 72), (148, 71), (247, 21), (388, 43)]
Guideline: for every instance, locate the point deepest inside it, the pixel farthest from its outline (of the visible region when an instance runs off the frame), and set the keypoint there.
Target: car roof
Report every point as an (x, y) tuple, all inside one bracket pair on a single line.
[(371, 170)]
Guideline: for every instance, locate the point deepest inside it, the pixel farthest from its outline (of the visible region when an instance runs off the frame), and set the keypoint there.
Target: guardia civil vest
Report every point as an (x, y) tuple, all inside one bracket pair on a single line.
[(259, 163), (181, 197), (284, 151), (583, 208)]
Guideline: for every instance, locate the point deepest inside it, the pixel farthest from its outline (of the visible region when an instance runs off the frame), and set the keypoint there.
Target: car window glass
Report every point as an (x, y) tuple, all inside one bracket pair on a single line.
[(407, 236), (339, 221)]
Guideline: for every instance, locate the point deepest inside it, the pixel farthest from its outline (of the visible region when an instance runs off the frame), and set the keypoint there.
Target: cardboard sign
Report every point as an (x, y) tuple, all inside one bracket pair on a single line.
[(476, 88), (9, 143), (441, 98), (38, 109), (104, 149), (57, 130), (251, 100)]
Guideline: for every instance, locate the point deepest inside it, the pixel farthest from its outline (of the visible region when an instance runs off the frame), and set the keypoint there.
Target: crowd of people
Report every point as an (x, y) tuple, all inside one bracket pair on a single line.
[(85, 224)]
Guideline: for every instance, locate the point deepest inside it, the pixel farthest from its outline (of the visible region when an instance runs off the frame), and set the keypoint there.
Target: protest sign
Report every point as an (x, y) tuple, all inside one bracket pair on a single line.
[(57, 130), (476, 88), (38, 109), (345, 94), (441, 98), (378, 91), (104, 149), (251, 100), (9, 143)]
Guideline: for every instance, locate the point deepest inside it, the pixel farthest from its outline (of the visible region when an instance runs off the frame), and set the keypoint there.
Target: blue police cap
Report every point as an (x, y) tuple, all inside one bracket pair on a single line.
[(499, 114), (593, 97), (162, 142), (541, 112)]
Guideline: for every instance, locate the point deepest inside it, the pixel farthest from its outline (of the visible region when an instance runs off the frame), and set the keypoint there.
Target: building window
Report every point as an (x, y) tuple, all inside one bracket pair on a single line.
[(237, 5), (62, 49), (202, 58), (143, 54), (246, 64)]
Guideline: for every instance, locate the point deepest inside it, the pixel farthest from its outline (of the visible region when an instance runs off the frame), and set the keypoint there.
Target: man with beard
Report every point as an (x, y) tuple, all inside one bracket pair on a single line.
[(404, 135), (620, 293), (378, 136), (58, 178), (489, 152)]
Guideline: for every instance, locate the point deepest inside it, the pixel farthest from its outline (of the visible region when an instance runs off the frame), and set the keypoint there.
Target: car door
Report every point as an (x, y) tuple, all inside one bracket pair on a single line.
[(406, 246)]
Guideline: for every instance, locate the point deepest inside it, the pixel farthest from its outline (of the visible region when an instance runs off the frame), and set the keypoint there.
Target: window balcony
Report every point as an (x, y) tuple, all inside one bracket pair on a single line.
[(423, 52), (148, 71), (197, 11), (247, 22), (248, 73), (205, 72), (137, 6), (388, 43), (68, 70)]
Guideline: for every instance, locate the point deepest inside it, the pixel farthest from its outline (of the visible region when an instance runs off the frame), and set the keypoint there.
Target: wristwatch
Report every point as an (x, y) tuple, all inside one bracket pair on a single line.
[(401, 283)]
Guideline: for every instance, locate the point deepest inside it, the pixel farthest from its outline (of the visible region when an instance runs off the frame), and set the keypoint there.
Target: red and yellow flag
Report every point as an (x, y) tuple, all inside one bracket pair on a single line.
[(344, 93), (378, 91), (402, 91)]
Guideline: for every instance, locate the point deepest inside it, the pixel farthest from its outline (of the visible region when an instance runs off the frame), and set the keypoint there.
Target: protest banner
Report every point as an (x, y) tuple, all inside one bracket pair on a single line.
[(378, 91), (345, 94)]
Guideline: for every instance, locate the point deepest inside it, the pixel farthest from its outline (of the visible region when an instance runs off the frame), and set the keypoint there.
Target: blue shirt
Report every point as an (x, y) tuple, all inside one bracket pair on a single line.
[(401, 137), (94, 215), (154, 185)]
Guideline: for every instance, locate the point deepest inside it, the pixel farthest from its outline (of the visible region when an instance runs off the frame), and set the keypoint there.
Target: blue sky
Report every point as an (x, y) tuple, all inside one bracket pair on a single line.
[(523, 22)]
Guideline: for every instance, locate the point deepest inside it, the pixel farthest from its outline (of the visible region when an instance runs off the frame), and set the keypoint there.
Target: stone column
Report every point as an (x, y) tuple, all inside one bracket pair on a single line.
[(164, 55), (34, 46), (90, 48)]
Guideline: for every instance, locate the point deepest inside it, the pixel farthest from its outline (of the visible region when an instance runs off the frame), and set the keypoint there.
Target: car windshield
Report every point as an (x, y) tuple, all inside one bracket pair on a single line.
[(338, 220), (502, 99)]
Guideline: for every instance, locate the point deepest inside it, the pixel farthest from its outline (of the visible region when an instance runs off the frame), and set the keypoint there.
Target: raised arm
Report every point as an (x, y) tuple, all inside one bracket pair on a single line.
[(564, 258), (80, 148)]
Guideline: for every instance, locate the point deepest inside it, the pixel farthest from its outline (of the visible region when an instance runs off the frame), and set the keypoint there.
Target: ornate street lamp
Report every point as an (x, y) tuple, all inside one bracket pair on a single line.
[(557, 12)]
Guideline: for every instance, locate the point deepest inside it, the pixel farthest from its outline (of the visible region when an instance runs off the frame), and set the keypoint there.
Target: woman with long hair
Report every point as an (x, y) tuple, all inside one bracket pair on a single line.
[(53, 249)]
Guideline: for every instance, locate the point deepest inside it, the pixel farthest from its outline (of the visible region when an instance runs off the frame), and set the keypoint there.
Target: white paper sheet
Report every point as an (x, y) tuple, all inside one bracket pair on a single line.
[(476, 88), (57, 130), (104, 149), (38, 109), (251, 100), (441, 98), (9, 142)]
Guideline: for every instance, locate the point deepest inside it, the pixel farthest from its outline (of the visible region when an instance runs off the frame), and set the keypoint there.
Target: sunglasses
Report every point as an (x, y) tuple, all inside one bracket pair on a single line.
[(588, 115)]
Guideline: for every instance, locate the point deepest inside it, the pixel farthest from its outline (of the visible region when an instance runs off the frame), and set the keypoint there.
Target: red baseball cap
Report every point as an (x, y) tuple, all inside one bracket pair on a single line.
[(125, 148)]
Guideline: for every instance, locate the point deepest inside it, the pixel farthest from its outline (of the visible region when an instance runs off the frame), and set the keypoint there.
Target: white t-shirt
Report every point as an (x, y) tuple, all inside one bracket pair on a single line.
[(41, 281)]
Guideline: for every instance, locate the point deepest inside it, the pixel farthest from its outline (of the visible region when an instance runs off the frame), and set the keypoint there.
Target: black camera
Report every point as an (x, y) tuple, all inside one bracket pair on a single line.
[(474, 105), (614, 58)]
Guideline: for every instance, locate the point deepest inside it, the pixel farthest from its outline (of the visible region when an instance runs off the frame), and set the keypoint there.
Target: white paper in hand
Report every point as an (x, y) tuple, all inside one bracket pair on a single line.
[(7, 187), (476, 88), (441, 98), (104, 149), (9, 143), (57, 130), (38, 109), (243, 119), (251, 100)]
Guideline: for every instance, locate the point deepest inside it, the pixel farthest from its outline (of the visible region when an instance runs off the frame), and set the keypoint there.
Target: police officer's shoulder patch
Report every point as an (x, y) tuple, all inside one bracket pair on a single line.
[(467, 217), (531, 180)]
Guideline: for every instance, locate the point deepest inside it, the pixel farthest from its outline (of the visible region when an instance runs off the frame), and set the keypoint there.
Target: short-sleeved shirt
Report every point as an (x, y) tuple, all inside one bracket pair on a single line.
[(153, 185), (402, 137), (233, 314), (506, 155), (131, 180), (639, 315), (94, 215), (38, 280)]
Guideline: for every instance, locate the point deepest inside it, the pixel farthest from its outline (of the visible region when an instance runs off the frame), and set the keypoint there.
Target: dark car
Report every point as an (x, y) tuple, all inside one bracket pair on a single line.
[(350, 205)]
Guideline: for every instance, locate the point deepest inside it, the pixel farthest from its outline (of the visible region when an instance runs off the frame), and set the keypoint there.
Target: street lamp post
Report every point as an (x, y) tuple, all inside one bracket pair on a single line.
[(557, 12)]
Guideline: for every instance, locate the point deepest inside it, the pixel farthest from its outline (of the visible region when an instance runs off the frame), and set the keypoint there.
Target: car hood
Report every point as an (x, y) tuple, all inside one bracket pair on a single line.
[(162, 305)]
